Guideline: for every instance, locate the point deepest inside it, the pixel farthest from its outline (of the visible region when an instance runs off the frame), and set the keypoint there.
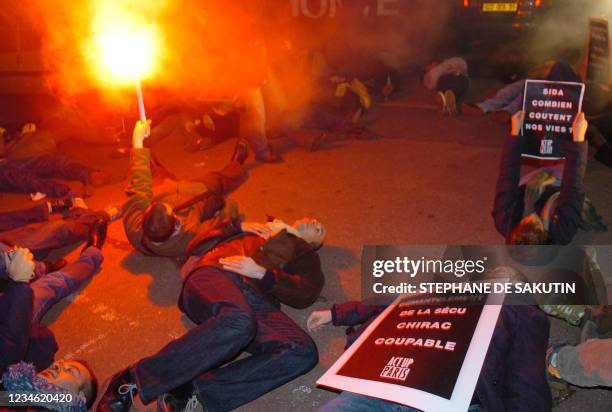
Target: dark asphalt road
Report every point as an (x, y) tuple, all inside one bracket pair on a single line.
[(427, 180)]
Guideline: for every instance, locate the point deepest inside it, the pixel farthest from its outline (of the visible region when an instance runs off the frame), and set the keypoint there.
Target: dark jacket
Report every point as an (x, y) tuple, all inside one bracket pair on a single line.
[(20, 340), (293, 268), (567, 210), (513, 374)]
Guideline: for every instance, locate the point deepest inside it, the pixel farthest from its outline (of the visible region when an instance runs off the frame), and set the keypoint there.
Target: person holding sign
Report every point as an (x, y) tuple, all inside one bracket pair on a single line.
[(541, 211), (512, 377)]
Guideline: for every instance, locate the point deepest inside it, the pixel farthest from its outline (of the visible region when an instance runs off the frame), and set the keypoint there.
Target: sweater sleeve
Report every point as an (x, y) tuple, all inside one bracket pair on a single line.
[(507, 190), (354, 313), (568, 206), (141, 191), (16, 305)]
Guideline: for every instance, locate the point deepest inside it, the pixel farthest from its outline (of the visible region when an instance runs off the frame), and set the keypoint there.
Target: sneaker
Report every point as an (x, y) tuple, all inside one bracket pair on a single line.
[(451, 102), (60, 205), (442, 102), (119, 393), (241, 151), (269, 157), (560, 389), (551, 358), (194, 405), (178, 400), (97, 234)]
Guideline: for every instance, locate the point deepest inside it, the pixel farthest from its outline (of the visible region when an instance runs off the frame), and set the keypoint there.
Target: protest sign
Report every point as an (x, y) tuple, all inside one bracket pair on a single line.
[(598, 52), (423, 351), (550, 109)]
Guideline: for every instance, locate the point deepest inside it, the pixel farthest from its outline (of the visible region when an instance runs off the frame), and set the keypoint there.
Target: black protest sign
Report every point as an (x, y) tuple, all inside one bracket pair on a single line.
[(550, 109), (598, 52), (424, 351)]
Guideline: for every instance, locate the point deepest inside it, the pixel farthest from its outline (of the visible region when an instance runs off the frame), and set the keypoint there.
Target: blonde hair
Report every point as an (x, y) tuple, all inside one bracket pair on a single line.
[(529, 231)]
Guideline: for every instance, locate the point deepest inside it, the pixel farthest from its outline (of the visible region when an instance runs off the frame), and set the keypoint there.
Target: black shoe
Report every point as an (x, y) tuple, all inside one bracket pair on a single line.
[(97, 234), (241, 151), (318, 141), (175, 400), (119, 393), (269, 157), (60, 205)]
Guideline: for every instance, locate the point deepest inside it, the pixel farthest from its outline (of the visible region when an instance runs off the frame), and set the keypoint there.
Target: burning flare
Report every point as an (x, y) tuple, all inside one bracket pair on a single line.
[(124, 47)]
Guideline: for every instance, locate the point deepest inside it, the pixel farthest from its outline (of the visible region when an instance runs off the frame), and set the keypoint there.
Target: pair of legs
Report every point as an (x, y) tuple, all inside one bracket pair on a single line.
[(350, 402), (23, 307), (231, 318), (32, 174), (17, 218), (225, 181), (43, 237), (453, 88), (253, 124)]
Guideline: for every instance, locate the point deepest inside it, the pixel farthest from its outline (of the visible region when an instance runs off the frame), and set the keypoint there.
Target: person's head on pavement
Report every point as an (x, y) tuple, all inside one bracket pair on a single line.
[(75, 377), (529, 231), (311, 230), (73, 382), (159, 222)]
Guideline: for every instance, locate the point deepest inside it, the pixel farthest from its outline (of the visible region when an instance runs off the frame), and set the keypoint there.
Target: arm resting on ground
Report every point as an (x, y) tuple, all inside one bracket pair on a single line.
[(354, 313), (568, 206)]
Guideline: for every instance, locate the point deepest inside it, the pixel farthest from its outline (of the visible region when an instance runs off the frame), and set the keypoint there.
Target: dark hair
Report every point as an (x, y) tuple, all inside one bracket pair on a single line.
[(157, 223), (93, 393), (562, 72)]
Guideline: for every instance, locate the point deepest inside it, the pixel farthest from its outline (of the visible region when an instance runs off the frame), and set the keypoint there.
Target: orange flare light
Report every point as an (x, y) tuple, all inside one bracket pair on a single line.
[(124, 46)]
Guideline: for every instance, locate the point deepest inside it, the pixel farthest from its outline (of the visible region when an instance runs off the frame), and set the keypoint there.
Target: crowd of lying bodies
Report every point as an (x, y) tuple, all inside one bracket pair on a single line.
[(237, 273)]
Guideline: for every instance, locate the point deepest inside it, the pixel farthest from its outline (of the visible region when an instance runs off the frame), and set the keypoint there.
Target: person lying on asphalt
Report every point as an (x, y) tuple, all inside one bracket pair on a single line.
[(233, 285), (161, 219)]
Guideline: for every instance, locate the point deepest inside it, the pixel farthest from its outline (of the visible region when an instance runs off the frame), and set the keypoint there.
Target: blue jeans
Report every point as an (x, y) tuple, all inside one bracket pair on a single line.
[(349, 402), (32, 174), (508, 98), (231, 318), (49, 289), (43, 237), (22, 307), (17, 218)]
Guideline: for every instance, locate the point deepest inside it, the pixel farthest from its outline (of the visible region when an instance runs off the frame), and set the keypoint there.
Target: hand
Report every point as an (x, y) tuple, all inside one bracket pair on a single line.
[(142, 130), (260, 229), (579, 128), (318, 319), (20, 266), (517, 122), (243, 265)]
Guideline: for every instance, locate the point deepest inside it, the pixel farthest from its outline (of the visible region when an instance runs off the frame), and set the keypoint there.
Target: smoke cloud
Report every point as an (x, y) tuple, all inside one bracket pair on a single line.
[(219, 48)]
